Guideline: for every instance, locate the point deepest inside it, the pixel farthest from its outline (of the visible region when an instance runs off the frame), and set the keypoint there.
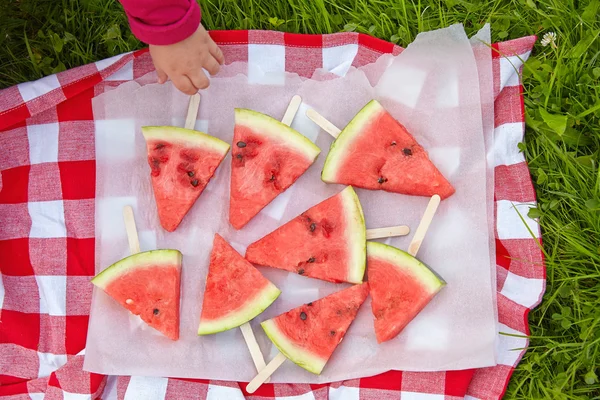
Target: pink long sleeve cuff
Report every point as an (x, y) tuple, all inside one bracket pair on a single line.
[(162, 22)]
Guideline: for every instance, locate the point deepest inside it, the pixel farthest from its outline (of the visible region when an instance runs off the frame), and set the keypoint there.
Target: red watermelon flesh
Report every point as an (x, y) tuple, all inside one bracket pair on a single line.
[(235, 291), (401, 286), (182, 161), (148, 285), (267, 158), (309, 334), (374, 151), (326, 242)]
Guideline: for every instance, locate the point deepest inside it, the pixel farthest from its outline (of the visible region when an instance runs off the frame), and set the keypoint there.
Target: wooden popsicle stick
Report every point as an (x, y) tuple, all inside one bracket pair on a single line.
[(291, 111), (132, 235), (323, 123), (390, 231), (265, 373), (415, 243), (247, 332), (192, 114)]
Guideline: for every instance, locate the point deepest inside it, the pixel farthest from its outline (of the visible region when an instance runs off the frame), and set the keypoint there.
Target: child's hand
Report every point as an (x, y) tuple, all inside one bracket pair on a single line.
[(182, 62)]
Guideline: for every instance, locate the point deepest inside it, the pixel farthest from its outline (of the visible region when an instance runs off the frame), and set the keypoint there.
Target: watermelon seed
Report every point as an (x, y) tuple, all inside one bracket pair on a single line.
[(301, 271), (155, 311), (309, 304), (311, 260), (241, 144), (190, 173), (303, 316), (332, 333), (239, 156), (393, 143), (195, 182), (272, 177), (129, 301), (407, 151), (313, 226), (159, 146), (382, 180)]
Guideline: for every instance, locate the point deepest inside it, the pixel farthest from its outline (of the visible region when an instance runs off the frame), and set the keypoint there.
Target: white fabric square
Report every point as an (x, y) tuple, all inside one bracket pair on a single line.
[(344, 393), (510, 347), (1, 292), (304, 125), (509, 67), (50, 362), (43, 143), (276, 208), (509, 223), (216, 392), (31, 90), (506, 139), (266, 64), (523, 291), (467, 397), (47, 219), (147, 388), (36, 396), (53, 294), (338, 59), (110, 390), (115, 139), (305, 396), (107, 62), (125, 73), (420, 396), (76, 396)]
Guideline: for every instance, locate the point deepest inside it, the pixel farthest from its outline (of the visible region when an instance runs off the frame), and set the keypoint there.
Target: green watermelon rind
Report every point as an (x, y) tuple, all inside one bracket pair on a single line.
[(335, 157), (299, 356), (153, 258), (356, 235), (259, 304), (403, 261), (185, 137), (270, 127)]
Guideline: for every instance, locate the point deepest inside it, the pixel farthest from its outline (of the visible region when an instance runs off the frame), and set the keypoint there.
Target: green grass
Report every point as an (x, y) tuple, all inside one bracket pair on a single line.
[(39, 37)]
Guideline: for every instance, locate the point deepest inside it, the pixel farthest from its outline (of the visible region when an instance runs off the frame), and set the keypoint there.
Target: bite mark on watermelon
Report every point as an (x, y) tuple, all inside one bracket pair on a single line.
[(147, 284), (376, 152), (267, 158), (401, 286), (327, 241), (182, 162), (235, 293), (308, 335)]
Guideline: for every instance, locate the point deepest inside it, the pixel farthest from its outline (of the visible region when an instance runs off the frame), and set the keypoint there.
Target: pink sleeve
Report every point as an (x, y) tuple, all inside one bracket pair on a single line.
[(162, 22)]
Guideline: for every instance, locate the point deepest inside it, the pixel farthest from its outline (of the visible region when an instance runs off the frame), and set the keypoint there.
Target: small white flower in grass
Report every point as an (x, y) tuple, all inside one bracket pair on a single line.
[(549, 39)]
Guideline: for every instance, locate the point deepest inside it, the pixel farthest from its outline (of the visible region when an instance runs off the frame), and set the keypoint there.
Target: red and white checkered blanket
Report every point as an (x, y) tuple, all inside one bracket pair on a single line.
[(47, 189)]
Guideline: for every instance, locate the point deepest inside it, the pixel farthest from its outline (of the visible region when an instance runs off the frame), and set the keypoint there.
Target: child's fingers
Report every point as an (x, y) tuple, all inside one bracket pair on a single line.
[(162, 76), (199, 80), (212, 66), (216, 52), (184, 84)]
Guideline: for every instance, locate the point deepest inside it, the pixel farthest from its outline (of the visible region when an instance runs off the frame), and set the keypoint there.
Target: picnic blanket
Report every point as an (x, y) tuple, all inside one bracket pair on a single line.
[(47, 189)]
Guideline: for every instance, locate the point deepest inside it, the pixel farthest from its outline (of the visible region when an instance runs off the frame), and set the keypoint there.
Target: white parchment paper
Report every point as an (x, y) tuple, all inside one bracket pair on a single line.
[(433, 88)]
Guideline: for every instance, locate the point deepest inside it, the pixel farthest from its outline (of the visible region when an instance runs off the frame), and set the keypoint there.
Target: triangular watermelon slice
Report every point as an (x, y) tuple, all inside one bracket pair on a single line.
[(182, 161), (327, 241), (235, 291), (267, 158), (309, 334), (374, 151), (401, 286), (148, 285)]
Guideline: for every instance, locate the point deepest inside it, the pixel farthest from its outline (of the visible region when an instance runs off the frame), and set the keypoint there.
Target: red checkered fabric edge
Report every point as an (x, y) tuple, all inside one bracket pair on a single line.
[(47, 189)]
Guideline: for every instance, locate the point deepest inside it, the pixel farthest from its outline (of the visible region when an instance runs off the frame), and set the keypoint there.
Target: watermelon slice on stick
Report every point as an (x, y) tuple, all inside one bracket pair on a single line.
[(147, 284), (182, 162), (267, 158), (326, 242), (308, 335), (374, 151), (401, 285)]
